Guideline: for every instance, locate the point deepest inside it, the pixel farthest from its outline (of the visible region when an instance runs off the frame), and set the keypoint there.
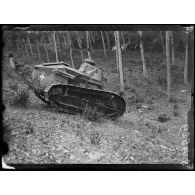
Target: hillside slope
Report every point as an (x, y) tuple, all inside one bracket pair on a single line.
[(39, 134)]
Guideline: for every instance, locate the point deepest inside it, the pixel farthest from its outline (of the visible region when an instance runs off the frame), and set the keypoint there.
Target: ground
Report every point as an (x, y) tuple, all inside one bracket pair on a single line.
[(39, 134)]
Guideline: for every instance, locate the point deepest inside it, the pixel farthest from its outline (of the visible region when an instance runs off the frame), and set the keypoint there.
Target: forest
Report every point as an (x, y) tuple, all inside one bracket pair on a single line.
[(149, 69)]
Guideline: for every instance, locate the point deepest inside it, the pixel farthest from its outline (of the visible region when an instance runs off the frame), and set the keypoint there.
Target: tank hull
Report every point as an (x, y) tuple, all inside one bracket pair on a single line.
[(74, 99)]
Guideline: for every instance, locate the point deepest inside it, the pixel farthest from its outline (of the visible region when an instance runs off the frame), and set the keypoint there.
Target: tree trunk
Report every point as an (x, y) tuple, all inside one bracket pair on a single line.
[(163, 45), (58, 43), (18, 47), (90, 43), (70, 47), (55, 46), (37, 45), (172, 49), (25, 48), (20, 44), (49, 38), (108, 40), (80, 45), (118, 48), (168, 59), (45, 48), (87, 40), (186, 62), (123, 37), (103, 43), (142, 54), (65, 41), (30, 45), (92, 38), (117, 60)]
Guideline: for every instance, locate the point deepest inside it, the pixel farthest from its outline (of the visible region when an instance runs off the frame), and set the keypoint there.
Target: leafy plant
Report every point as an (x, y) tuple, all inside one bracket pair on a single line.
[(94, 138), (18, 96), (93, 115)]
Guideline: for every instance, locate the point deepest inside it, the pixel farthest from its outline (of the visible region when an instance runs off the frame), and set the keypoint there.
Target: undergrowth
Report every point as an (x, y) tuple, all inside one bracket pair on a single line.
[(93, 115), (17, 95)]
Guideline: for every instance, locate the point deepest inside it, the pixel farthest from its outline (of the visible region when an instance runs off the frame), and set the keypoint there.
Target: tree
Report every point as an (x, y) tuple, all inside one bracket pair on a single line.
[(119, 61), (92, 37), (172, 49), (70, 47), (142, 54), (79, 41), (88, 48), (55, 46), (186, 61), (37, 45), (45, 47), (108, 40), (168, 59), (58, 42), (115, 48), (29, 43), (122, 35), (163, 45), (90, 43), (65, 41), (103, 42)]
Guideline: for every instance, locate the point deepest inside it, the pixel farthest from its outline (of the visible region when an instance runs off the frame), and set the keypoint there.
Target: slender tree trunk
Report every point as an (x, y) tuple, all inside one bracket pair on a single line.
[(25, 48), (168, 58), (49, 38), (70, 47), (118, 48), (117, 60), (142, 54), (38, 50), (90, 43), (92, 38), (65, 41), (55, 46), (20, 44), (45, 48), (108, 40), (80, 45), (30, 46), (123, 37), (18, 47), (172, 49), (58, 41), (87, 40), (163, 45), (103, 43), (186, 62)]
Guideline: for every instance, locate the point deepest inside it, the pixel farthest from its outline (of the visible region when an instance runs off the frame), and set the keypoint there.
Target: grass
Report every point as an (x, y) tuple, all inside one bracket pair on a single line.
[(40, 134)]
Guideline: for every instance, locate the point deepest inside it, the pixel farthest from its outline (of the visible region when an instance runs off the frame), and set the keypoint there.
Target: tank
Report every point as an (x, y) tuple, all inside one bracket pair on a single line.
[(72, 91)]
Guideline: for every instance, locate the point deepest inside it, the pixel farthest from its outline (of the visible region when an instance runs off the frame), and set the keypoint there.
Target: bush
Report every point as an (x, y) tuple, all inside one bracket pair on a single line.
[(93, 115), (17, 96), (135, 98), (162, 80), (20, 99), (95, 138)]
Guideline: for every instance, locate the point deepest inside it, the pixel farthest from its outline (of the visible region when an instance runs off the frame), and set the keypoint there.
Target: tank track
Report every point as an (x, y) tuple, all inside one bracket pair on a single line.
[(74, 99)]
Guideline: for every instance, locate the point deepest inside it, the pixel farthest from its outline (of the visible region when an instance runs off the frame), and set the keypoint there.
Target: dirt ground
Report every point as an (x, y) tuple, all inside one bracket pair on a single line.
[(39, 134)]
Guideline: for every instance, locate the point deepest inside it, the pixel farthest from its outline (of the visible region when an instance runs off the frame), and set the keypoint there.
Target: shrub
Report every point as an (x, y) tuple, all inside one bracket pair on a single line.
[(135, 98), (18, 96), (93, 115), (162, 80), (95, 138), (21, 98)]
